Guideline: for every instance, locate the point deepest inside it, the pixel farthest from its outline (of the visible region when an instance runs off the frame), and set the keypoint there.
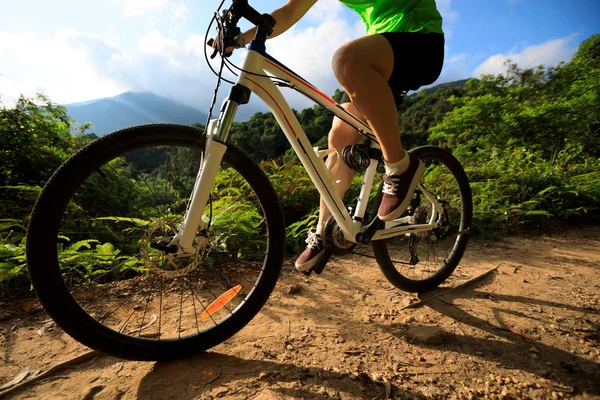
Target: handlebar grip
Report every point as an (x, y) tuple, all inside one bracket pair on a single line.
[(258, 19)]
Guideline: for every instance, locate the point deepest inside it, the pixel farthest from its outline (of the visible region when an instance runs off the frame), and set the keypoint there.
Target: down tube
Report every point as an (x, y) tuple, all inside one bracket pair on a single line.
[(266, 90)]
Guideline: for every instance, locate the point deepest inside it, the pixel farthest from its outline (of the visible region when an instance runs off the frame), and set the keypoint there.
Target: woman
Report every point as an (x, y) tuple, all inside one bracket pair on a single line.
[(403, 50)]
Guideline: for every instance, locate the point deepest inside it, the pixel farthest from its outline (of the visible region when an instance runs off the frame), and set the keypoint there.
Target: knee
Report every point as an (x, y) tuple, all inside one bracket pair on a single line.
[(336, 141), (346, 64), (340, 137)]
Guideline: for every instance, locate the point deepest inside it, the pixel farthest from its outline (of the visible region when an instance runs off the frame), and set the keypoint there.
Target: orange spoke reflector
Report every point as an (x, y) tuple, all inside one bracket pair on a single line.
[(221, 302)]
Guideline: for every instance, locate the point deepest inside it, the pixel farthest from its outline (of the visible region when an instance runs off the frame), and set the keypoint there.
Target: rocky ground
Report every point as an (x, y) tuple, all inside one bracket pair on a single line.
[(529, 328)]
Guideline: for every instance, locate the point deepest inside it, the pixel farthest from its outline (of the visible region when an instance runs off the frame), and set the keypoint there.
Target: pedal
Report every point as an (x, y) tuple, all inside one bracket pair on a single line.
[(320, 265)]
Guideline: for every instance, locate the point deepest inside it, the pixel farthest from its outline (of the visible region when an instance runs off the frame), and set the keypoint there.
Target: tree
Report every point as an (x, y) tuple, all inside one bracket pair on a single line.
[(35, 138)]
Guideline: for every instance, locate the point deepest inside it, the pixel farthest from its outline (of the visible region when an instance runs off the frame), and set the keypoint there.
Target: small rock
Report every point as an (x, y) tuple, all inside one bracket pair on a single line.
[(427, 334), (407, 301), (118, 367), (408, 319), (219, 392), (89, 392), (294, 289), (534, 356), (289, 347), (267, 395), (534, 350), (264, 375)]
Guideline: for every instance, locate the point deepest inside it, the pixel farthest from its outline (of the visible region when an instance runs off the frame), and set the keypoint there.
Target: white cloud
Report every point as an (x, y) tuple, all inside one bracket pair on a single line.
[(155, 44), (194, 45), (73, 66), (548, 53), (445, 8), (64, 66), (309, 51), (324, 10), (179, 12), (131, 8)]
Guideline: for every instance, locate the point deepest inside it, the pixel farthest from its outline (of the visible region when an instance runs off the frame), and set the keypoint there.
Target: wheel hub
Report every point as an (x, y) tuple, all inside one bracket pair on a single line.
[(441, 233), (158, 256)]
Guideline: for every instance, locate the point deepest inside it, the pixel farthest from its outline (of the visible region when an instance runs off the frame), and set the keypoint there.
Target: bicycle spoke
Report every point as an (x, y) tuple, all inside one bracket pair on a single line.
[(162, 212), (180, 309), (160, 308), (435, 250), (194, 305), (139, 198), (202, 304)]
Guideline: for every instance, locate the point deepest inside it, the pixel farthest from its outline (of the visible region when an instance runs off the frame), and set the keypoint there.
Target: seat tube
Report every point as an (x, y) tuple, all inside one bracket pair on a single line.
[(365, 191)]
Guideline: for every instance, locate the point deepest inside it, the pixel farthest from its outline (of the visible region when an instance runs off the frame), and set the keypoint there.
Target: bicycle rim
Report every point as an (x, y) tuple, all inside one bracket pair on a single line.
[(115, 207), (421, 261)]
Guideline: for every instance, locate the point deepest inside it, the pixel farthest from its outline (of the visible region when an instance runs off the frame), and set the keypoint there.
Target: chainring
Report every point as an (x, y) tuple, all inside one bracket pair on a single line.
[(334, 238)]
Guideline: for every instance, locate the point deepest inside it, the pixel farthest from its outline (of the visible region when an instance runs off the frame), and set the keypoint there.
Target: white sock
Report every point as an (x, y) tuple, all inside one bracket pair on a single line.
[(399, 166), (319, 229)]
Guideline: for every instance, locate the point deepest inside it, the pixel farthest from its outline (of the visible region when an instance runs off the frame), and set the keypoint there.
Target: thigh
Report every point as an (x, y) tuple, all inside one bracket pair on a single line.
[(372, 50)]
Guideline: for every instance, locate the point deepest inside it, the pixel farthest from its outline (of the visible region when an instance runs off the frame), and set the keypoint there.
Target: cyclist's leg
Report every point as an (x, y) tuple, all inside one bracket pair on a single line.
[(363, 67), (368, 68), (340, 136)]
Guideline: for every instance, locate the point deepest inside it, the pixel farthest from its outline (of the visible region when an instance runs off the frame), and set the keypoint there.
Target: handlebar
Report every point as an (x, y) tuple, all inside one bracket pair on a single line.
[(231, 34), (245, 10)]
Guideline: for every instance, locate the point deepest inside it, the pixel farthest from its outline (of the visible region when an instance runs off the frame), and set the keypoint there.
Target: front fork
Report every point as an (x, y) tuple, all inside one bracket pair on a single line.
[(217, 132)]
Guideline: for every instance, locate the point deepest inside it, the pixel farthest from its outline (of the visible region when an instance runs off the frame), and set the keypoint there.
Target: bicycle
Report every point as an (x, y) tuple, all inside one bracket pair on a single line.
[(118, 252)]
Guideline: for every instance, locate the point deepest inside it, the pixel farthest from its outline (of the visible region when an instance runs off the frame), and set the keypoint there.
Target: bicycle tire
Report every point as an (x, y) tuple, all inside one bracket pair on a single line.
[(393, 265), (51, 213)]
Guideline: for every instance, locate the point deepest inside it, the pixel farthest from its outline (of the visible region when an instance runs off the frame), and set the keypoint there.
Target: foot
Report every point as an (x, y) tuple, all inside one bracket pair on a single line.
[(398, 190), (315, 250)]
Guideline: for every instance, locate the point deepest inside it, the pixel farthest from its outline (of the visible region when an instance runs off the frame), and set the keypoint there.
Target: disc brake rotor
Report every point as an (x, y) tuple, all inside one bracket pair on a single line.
[(170, 265)]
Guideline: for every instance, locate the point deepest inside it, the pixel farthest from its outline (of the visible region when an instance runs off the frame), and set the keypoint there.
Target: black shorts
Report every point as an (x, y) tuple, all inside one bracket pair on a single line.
[(418, 61)]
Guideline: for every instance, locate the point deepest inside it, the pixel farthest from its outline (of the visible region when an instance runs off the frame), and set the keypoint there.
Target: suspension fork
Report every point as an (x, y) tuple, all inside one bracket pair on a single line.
[(216, 137)]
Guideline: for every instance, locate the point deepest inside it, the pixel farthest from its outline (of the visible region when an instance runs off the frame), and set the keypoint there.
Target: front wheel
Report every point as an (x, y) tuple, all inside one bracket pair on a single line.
[(418, 262), (93, 255)]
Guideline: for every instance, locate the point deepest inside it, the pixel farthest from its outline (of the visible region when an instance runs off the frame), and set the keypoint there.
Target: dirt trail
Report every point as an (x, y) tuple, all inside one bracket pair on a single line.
[(531, 329)]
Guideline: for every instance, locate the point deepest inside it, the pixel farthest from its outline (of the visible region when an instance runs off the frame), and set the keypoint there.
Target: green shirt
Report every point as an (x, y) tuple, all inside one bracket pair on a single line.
[(398, 15)]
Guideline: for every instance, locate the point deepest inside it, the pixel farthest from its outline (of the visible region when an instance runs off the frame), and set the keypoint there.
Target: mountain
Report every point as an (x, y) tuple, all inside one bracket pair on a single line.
[(132, 108), (446, 85)]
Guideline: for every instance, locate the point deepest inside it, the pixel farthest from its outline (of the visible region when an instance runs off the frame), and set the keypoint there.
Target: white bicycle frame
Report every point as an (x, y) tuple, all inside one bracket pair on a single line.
[(256, 67)]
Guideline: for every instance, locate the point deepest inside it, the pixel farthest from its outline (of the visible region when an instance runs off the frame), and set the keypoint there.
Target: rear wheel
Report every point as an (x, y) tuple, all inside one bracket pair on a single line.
[(418, 262), (91, 245)]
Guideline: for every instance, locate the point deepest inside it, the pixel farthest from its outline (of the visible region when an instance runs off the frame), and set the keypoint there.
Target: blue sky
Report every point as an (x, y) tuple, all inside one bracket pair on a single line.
[(76, 50)]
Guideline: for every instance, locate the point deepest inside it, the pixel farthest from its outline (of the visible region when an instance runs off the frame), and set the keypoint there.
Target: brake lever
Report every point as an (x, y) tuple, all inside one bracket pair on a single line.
[(215, 51), (239, 39)]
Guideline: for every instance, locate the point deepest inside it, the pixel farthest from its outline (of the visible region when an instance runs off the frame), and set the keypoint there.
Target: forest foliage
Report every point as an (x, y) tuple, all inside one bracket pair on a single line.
[(529, 140)]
